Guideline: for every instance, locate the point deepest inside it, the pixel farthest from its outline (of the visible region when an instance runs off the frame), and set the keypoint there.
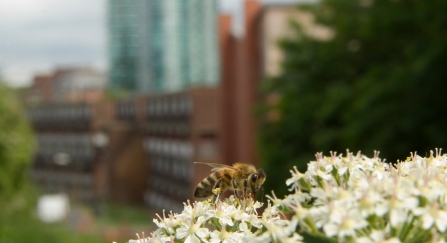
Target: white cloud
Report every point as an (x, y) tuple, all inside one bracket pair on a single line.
[(228, 6), (37, 35)]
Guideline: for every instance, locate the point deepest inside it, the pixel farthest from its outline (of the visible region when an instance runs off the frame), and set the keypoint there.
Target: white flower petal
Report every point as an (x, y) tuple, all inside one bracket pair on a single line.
[(226, 221), (202, 233), (243, 227), (192, 239), (291, 181), (331, 229), (364, 240), (441, 221), (200, 220), (392, 240), (419, 211), (427, 221), (411, 202), (396, 217), (181, 233)]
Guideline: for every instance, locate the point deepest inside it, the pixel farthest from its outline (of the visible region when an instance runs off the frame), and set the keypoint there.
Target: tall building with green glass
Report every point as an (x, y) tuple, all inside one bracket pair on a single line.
[(123, 45), (174, 44)]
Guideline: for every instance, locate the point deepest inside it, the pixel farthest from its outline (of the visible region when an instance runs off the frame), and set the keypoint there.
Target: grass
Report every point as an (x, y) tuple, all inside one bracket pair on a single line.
[(114, 214), (114, 223), (24, 228), (125, 221)]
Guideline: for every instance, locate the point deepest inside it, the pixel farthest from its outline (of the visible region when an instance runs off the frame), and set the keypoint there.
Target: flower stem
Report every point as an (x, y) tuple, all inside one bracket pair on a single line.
[(418, 236), (406, 229)]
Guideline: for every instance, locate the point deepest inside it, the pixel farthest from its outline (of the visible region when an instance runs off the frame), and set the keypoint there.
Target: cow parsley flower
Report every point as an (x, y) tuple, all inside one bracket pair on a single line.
[(225, 236), (345, 224), (433, 215), (223, 213), (339, 198), (167, 224), (192, 232), (377, 236), (193, 211)]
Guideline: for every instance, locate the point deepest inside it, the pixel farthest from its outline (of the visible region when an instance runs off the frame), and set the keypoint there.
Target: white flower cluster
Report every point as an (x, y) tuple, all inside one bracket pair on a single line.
[(338, 199), (229, 220), (361, 199)]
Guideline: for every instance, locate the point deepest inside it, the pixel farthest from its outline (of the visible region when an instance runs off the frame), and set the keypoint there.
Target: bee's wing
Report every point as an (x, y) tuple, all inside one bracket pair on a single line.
[(217, 166)]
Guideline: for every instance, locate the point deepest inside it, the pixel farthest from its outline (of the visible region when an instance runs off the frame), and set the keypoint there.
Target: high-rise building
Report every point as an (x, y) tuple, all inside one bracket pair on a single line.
[(163, 45), (123, 43)]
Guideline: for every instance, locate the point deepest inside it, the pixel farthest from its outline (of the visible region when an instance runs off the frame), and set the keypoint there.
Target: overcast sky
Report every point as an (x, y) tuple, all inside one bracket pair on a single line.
[(37, 36)]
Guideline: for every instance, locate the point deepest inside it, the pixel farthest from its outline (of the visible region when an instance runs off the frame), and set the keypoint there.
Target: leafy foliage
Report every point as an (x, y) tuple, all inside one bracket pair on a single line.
[(377, 84), (16, 144)]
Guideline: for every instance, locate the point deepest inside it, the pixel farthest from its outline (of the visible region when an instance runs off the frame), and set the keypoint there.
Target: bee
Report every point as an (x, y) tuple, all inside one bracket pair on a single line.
[(239, 177)]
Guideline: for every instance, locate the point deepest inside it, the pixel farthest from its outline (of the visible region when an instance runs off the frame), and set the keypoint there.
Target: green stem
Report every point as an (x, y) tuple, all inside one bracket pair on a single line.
[(334, 173), (320, 182), (406, 229), (215, 222), (418, 236), (367, 230), (323, 237), (311, 225), (360, 232), (372, 221), (381, 223)]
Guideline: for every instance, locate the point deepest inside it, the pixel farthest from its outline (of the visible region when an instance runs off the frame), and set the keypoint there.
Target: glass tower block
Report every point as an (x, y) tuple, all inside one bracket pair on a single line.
[(123, 43), (174, 45)]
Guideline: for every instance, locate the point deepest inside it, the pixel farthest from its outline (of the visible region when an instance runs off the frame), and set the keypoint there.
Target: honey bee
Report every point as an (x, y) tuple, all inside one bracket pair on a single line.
[(239, 177)]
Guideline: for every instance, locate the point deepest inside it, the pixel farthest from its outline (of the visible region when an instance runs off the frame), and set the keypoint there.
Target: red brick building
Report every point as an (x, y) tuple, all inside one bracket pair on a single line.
[(241, 74)]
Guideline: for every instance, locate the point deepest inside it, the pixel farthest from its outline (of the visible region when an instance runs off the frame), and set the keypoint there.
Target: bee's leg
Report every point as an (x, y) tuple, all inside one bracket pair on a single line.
[(262, 194), (218, 184), (245, 187), (234, 184)]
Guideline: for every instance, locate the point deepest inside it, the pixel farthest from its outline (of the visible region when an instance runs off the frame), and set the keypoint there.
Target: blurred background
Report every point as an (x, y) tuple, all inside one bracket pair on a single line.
[(105, 105)]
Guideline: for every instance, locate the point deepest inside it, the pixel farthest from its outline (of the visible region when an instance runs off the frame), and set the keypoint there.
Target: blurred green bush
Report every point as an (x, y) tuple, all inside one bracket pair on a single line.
[(16, 145), (379, 83)]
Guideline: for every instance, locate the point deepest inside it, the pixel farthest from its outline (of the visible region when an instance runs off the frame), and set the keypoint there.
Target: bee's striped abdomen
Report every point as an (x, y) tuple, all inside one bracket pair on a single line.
[(205, 188), (227, 176), (215, 175), (210, 180), (201, 192)]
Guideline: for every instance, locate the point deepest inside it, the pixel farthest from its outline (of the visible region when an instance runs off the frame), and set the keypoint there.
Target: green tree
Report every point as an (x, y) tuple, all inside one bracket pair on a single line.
[(376, 85), (16, 144)]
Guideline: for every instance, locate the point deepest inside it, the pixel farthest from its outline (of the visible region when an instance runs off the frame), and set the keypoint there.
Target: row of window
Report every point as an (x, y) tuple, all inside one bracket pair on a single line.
[(169, 188), (64, 179), (125, 110), (178, 169), (74, 145), (81, 112), (62, 163), (73, 139), (76, 152), (167, 128), (169, 106), (169, 147)]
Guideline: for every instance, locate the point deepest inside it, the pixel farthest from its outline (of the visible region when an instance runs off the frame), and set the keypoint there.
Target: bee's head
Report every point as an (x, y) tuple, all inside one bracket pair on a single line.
[(256, 180)]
